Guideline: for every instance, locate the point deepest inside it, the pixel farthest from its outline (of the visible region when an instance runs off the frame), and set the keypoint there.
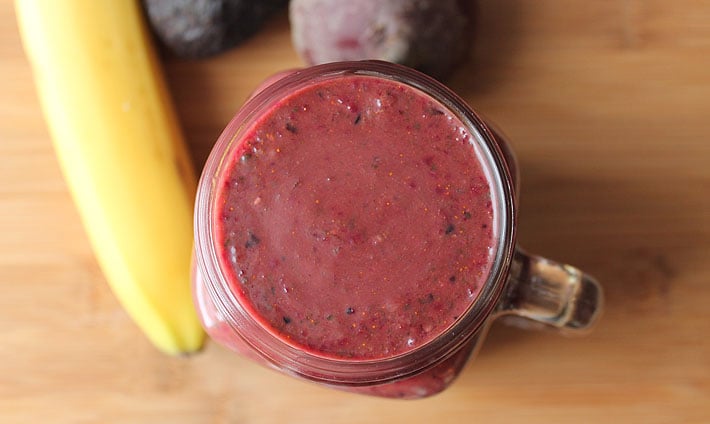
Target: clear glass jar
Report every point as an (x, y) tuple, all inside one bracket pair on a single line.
[(518, 285)]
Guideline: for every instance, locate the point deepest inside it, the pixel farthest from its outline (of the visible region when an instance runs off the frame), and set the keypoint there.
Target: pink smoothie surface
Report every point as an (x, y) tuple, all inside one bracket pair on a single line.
[(355, 219)]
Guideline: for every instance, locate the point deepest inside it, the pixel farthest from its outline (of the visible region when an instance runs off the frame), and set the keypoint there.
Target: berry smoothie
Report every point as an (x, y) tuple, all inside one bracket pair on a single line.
[(355, 219)]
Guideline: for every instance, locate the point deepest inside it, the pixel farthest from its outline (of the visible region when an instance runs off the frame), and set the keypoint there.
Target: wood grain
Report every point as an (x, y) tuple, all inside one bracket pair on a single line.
[(607, 104)]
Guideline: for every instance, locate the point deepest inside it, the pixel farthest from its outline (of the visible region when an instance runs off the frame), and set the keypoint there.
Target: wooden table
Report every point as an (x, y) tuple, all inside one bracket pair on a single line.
[(608, 107)]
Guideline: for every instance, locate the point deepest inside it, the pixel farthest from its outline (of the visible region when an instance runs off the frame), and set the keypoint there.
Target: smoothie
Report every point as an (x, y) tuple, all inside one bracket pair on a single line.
[(355, 219)]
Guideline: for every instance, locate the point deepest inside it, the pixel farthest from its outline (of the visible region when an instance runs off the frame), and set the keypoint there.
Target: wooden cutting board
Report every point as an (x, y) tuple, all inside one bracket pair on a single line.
[(607, 104)]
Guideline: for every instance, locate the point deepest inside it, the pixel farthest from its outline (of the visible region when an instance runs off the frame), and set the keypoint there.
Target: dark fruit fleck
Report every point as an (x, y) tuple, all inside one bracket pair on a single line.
[(450, 229), (252, 240), (428, 299)]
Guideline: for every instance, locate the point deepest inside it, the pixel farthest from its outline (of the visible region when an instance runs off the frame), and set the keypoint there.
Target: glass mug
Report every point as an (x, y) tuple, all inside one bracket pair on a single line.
[(518, 285)]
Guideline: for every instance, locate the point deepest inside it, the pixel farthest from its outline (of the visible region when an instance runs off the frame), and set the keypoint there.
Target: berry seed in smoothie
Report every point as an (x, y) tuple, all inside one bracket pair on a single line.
[(355, 219)]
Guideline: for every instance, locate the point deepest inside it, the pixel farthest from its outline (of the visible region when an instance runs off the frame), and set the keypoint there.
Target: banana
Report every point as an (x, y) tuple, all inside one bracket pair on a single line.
[(122, 154)]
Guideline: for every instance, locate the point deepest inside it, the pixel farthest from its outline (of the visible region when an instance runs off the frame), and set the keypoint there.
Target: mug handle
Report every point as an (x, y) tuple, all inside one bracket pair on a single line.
[(555, 295)]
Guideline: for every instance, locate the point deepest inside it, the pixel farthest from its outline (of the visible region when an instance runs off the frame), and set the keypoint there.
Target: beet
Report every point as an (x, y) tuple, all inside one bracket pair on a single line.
[(432, 36), (202, 28)]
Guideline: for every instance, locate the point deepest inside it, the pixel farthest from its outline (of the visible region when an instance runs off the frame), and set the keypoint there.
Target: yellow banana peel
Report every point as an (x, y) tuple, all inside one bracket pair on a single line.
[(122, 153)]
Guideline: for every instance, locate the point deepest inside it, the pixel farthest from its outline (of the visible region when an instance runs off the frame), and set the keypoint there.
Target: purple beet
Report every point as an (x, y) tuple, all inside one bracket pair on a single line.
[(430, 35), (201, 28)]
